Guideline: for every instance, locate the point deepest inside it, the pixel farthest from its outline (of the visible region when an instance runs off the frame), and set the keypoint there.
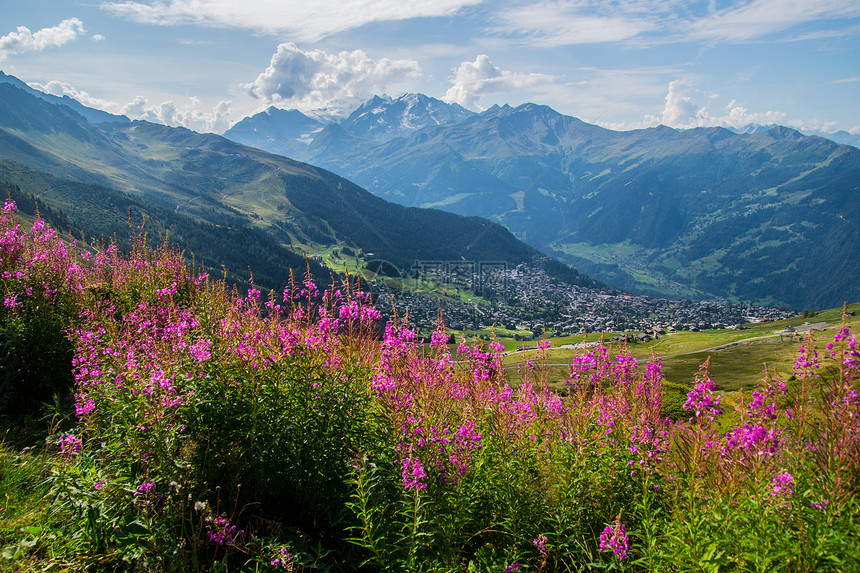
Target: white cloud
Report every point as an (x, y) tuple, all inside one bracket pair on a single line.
[(316, 79), (562, 22), (23, 40), (303, 20), (552, 23), (758, 18), (98, 37), (190, 114), (481, 77), (683, 110), (63, 89), (739, 116), (135, 109)]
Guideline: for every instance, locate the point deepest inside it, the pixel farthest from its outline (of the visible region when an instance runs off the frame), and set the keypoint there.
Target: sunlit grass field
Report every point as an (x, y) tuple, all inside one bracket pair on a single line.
[(738, 357)]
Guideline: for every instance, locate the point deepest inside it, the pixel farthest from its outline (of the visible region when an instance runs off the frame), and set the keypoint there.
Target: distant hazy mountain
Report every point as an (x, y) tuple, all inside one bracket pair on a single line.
[(841, 136), (770, 215), (260, 198), (91, 115), (380, 119), (281, 131)]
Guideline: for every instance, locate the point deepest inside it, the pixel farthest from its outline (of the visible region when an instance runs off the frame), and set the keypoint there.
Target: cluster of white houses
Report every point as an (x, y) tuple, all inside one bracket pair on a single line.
[(528, 300)]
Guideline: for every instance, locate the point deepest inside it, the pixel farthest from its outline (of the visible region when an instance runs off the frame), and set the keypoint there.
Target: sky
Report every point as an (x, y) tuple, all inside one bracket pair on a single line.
[(622, 64)]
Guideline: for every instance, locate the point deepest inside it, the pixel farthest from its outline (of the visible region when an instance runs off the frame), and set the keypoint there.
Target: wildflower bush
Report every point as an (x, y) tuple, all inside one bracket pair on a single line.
[(215, 431), (39, 279)]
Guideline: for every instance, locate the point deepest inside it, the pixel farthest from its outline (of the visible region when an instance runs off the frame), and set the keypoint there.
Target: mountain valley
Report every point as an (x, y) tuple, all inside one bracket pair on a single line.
[(699, 214), (770, 216)]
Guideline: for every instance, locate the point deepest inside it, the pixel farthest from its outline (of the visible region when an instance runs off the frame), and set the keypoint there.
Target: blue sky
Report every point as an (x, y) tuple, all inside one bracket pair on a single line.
[(623, 64)]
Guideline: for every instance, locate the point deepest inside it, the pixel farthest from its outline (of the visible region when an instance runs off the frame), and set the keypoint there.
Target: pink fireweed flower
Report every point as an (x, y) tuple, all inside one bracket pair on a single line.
[(820, 506), (782, 485), (590, 368), (653, 370), (283, 560), (624, 367), (70, 446), (806, 360), (12, 301), (648, 446), (413, 473), (701, 399), (144, 488), (463, 347), (460, 446), (84, 406), (221, 531), (754, 439), (310, 289), (201, 350), (614, 539), (763, 407), (439, 338)]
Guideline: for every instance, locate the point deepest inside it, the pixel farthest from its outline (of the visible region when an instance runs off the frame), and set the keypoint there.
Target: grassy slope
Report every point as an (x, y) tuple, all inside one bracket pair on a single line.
[(738, 357)]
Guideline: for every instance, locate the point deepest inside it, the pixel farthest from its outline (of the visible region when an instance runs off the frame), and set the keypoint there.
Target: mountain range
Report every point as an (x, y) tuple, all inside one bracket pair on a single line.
[(765, 214), (228, 204)]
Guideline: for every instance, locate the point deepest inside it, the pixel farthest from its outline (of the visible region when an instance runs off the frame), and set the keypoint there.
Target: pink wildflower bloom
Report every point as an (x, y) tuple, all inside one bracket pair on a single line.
[(413, 473), (283, 560), (806, 360), (200, 350), (540, 542), (70, 445), (653, 371), (11, 301), (84, 407), (221, 531), (701, 399), (614, 539), (439, 338), (782, 485), (755, 439), (823, 504), (143, 489)]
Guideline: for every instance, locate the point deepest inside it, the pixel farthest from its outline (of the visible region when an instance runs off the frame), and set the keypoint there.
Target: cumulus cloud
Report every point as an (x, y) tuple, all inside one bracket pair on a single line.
[(304, 21), (191, 114), (481, 77), (61, 89), (684, 109), (23, 40), (681, 109), (316, 79)]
